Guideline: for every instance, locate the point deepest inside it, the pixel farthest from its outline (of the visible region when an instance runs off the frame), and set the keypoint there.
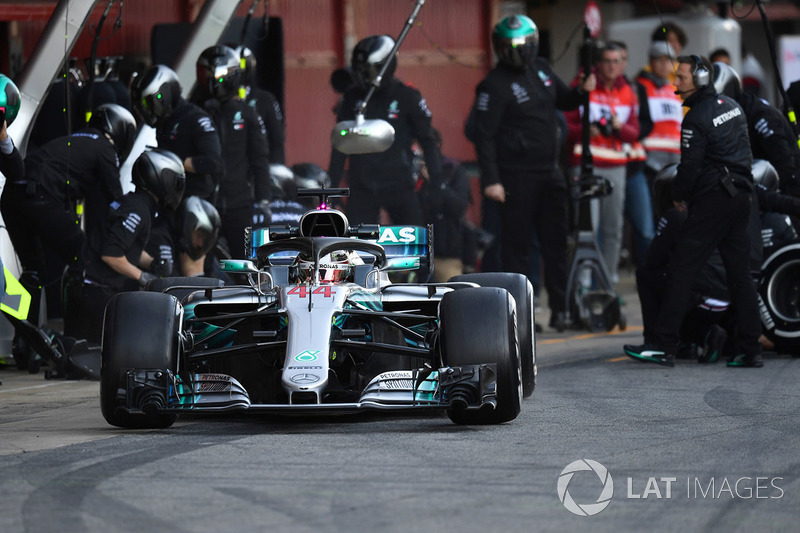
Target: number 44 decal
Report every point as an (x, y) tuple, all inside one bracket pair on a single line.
[(301, 291)]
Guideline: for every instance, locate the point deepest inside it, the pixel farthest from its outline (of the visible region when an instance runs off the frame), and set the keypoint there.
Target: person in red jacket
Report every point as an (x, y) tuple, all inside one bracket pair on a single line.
[(613, 115)]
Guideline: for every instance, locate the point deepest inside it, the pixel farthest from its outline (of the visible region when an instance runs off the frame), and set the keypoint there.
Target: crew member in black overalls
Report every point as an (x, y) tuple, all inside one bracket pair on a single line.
[(114, 258), (244, 144), (266, 105), (40, 210), (714, 184), (385, 180), (771, 135), (513, 126)]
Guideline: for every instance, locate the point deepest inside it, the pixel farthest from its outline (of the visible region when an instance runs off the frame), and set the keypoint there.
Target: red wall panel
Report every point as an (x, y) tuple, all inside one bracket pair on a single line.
[(444, 55)]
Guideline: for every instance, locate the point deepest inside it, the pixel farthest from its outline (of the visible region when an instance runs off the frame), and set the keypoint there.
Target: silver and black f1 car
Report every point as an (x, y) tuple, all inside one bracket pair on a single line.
[(320, 328)]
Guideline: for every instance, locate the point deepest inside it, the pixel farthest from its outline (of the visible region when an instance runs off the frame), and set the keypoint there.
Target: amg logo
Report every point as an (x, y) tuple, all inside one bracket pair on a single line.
[(725, 117)]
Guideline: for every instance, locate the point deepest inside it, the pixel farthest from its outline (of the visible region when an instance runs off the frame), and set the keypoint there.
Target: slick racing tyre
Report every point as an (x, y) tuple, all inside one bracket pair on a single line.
[(779, 294), (521, 289), (141, 332), (470, 337)]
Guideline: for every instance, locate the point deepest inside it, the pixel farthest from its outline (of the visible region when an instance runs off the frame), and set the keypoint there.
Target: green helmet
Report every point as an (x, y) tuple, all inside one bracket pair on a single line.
[(9, 98), (516, 41)]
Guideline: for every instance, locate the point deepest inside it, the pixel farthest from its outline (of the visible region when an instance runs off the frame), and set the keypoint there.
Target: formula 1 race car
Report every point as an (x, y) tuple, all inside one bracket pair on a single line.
[(319, 327)]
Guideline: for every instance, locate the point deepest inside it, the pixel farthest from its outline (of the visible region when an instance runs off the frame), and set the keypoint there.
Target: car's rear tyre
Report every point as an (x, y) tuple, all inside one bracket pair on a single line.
[(780, 294), (140, 331), (522, 290), (478, 326)]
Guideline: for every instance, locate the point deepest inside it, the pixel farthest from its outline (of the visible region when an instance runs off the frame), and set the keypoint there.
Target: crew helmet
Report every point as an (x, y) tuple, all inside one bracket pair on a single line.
[(282, 184), (247, 62), (219, 72), (662, 188), (310, 176), (119, 124), (727, 81), (155, 94), (765, 175), (369, 56), (335, 267), (160, 172), (200, 223), (9, 98), (516, 41)]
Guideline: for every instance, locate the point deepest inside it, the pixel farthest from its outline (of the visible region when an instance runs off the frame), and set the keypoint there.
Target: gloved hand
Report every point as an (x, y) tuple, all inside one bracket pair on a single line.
[(145, 277), (163, 264), (161, 267)]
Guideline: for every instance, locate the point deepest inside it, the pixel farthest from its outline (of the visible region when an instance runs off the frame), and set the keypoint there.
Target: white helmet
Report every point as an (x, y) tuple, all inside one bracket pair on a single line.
[(336, 267)]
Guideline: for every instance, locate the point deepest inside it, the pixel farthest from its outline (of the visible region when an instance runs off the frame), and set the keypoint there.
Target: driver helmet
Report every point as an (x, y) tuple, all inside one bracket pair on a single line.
[(119, 124), (155, 94), (516, 41), (336, 267), (369, 56), (219, 72), (726, 81), (9, 99), (200, 223)]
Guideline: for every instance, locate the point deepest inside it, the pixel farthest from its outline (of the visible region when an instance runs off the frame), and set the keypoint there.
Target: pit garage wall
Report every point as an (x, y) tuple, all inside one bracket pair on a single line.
[(444, 56)]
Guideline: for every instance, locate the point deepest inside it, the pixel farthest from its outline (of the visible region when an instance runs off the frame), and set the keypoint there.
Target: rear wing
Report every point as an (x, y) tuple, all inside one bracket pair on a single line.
[(414, 243)]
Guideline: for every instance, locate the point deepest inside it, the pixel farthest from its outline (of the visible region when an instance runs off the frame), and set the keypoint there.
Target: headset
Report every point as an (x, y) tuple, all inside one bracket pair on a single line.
[(700, 74)]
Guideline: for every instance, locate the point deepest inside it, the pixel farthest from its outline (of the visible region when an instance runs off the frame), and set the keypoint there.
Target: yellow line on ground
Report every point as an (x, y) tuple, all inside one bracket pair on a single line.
[(615, 331), (617, 359)]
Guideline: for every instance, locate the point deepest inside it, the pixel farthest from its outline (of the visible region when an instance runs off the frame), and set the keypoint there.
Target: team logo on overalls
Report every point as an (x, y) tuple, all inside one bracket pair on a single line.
[(519, 93), (238, 121), (394, 109)]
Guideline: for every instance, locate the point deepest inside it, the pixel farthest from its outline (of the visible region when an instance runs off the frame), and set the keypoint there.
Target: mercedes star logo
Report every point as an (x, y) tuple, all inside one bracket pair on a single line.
[(304, 379)]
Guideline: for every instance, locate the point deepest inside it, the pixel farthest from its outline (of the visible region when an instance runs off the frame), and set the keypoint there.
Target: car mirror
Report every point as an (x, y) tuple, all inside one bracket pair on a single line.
[(400, 264), (238, 266)]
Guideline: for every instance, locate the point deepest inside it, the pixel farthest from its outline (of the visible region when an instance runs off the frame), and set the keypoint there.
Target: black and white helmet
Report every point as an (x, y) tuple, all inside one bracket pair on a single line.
[(765, 175), (310, 176), (247, 63), (727, 81), (200, 223), (160, 172), (369, 56), (219, 72), (155, 94), (119, 124)]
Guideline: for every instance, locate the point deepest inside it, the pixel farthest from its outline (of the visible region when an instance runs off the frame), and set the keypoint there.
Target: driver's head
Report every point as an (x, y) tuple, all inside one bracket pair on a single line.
[(336, 267)]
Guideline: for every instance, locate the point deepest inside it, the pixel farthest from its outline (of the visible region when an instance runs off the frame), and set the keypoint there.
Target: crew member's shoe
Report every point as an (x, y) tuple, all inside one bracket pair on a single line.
[(746, 361), (558, 321), (649, 353), (712, 347)]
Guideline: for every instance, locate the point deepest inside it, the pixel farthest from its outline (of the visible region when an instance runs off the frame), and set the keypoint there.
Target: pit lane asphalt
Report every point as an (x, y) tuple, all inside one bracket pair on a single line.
[(62, 468)]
